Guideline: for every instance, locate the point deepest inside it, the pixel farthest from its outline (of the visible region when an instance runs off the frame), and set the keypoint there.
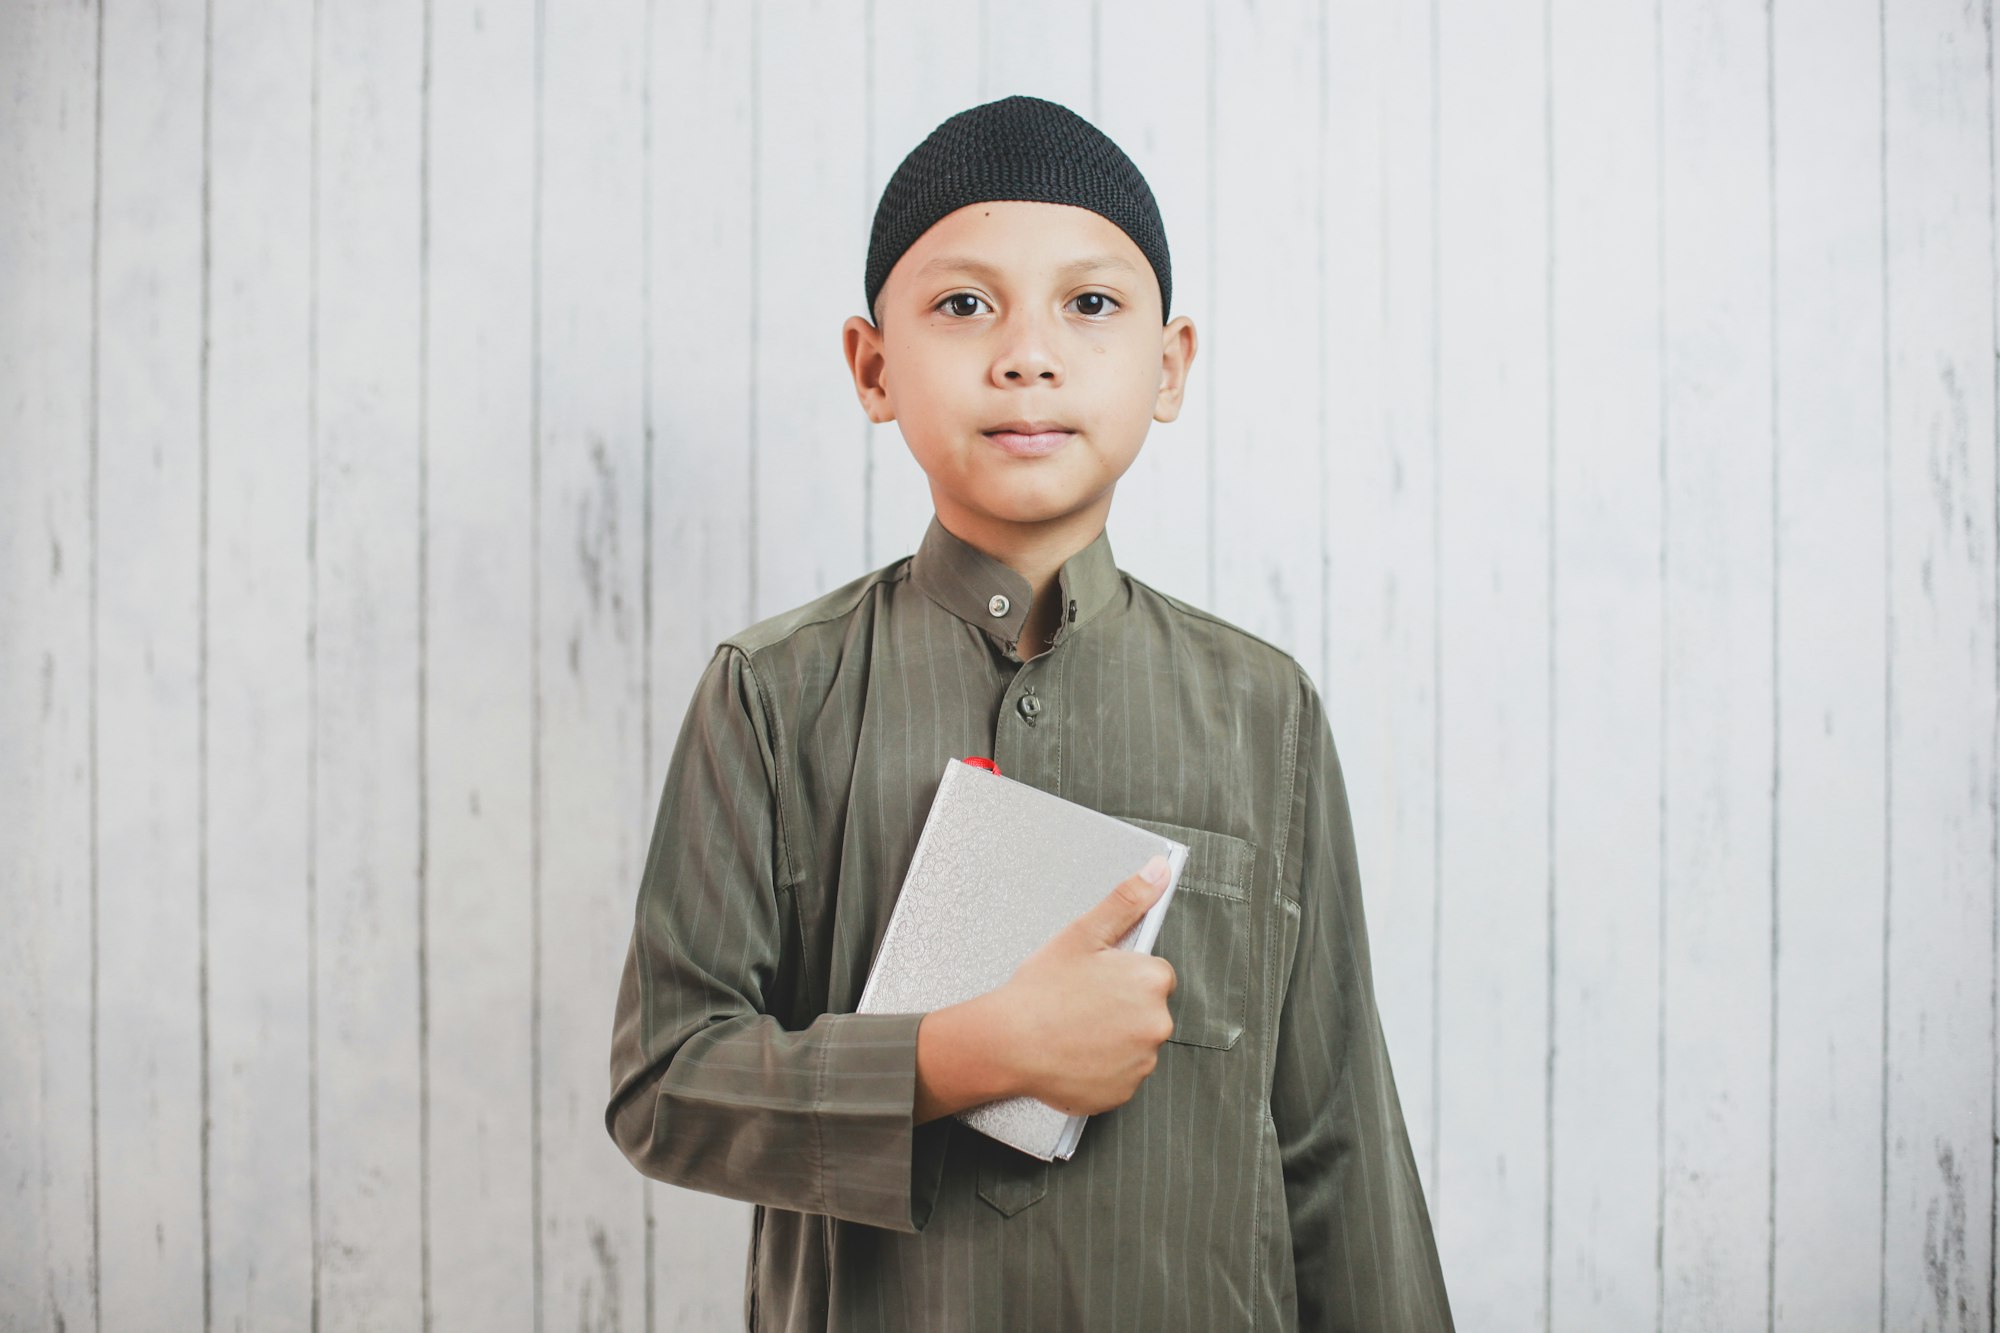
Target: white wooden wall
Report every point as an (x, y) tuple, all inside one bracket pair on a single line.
[(398, 402)]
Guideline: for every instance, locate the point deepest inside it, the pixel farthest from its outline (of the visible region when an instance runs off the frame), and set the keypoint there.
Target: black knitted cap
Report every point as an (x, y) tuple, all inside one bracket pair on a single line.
[(1016, 148)]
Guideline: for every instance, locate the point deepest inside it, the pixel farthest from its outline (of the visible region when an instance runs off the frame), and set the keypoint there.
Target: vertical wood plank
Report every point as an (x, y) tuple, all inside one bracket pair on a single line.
[(366, 799), (922, 64), (591, 806), (1266, 491), (1831, 608), (1938, 960), (1604, 1085), (1379, 392), (1716, 1023), (1494, 662), (1152, 82), (699, 321), (1041, 48), (809, 222), (48, 983), (476, 663), (153, 1219), (259, 714)]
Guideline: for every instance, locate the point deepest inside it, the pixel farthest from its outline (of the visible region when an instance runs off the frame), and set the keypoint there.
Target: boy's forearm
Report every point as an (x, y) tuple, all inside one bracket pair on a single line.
[(965, 1057)]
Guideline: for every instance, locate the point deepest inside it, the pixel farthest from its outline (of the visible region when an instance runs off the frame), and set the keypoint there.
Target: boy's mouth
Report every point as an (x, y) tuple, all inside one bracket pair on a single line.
[(1030, 439)]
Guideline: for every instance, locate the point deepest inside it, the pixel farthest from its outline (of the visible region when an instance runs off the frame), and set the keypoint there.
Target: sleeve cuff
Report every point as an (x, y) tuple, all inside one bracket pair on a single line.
[(877, 1165)]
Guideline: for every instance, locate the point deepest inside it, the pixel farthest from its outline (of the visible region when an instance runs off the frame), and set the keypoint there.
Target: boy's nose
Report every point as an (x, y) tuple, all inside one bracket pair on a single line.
[(1028, 348), (1027, 358)]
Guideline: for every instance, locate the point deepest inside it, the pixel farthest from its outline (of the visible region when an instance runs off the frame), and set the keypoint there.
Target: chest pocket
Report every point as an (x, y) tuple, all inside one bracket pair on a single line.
[(1206, 935)]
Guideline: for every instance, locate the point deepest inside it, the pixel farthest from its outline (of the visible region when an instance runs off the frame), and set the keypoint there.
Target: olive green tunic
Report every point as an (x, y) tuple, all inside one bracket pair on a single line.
[(1260, 1177)]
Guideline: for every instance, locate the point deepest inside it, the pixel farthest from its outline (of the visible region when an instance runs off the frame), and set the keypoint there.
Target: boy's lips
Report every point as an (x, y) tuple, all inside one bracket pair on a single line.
[(1029, 439)]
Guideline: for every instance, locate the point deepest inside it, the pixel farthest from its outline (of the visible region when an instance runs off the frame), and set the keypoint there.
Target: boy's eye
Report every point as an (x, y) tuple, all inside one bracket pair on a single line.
[(950, 303), (1099, 297)]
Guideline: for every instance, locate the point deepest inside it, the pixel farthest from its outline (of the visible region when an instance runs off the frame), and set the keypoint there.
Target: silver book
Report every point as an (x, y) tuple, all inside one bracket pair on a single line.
[(999, 868)]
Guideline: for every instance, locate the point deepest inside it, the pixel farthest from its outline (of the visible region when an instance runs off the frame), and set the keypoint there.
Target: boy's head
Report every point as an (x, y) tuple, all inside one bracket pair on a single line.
[(1018, 277)]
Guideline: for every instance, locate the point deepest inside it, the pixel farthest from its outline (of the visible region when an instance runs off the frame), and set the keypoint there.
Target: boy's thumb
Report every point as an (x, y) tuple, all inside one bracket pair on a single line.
[(1106, 923)]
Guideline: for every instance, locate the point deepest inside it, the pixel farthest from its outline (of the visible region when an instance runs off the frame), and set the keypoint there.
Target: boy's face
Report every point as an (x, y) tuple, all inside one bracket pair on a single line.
[(1011, 312)]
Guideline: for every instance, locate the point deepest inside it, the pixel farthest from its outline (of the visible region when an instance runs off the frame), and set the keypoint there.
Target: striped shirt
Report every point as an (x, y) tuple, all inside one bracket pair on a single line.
[(1260, 1177)]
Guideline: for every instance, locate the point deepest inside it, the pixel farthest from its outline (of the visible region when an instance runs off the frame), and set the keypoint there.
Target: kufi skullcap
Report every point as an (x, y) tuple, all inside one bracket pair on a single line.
[(1015, 148)]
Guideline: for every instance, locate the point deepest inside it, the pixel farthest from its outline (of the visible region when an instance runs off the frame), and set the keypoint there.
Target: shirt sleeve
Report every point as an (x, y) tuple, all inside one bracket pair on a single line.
[(709, 1090), (1362, 1246)]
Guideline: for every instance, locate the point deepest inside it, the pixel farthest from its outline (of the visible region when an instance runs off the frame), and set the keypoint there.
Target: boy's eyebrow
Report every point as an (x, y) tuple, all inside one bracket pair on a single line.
[(967, 264)]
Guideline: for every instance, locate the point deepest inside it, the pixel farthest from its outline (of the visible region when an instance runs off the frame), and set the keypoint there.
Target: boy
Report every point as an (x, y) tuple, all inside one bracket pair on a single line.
[(1246, 1164)]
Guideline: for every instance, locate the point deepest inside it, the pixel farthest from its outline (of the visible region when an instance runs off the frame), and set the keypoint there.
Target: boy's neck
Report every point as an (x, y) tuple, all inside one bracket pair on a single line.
[(1035, 551)]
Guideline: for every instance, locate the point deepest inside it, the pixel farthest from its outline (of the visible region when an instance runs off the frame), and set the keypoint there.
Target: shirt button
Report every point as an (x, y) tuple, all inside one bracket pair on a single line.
[(998, 604), (1030, 706)]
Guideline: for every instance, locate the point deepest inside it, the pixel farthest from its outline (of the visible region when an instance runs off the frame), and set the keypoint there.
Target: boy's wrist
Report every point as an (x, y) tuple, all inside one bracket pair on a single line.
[(1000, 1049), (967, 1055)]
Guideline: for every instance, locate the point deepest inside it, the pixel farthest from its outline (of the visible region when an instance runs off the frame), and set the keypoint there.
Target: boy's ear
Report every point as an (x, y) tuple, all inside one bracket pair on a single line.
[(1177, 346), (861, 343)]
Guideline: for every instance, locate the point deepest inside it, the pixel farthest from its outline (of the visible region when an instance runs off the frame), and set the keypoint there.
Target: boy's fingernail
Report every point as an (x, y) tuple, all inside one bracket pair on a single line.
[(1155, 870)]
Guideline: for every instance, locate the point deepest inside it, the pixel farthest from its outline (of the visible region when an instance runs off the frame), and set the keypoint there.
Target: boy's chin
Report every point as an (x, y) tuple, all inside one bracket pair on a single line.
[(1029, 506)]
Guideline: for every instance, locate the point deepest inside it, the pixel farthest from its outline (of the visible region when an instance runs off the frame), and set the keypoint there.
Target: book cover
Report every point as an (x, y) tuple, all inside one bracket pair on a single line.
[(999, 868)]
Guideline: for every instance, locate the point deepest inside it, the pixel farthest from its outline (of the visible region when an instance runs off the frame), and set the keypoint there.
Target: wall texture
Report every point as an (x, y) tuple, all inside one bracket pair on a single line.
[(398, 401)]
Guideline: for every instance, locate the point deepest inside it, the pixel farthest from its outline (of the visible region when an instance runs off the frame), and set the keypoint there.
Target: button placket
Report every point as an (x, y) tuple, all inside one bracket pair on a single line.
[(1031, 738)]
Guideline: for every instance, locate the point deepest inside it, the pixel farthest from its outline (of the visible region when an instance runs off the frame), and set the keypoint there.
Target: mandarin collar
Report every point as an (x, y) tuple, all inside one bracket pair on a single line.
[(983, 591)]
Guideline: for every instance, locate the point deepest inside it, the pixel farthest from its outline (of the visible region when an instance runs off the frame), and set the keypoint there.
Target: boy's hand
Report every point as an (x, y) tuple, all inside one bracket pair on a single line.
[(1087, 1017)]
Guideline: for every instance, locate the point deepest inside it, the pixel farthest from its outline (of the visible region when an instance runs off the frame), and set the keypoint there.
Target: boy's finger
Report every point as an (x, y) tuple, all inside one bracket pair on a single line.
[(1128, 900)]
